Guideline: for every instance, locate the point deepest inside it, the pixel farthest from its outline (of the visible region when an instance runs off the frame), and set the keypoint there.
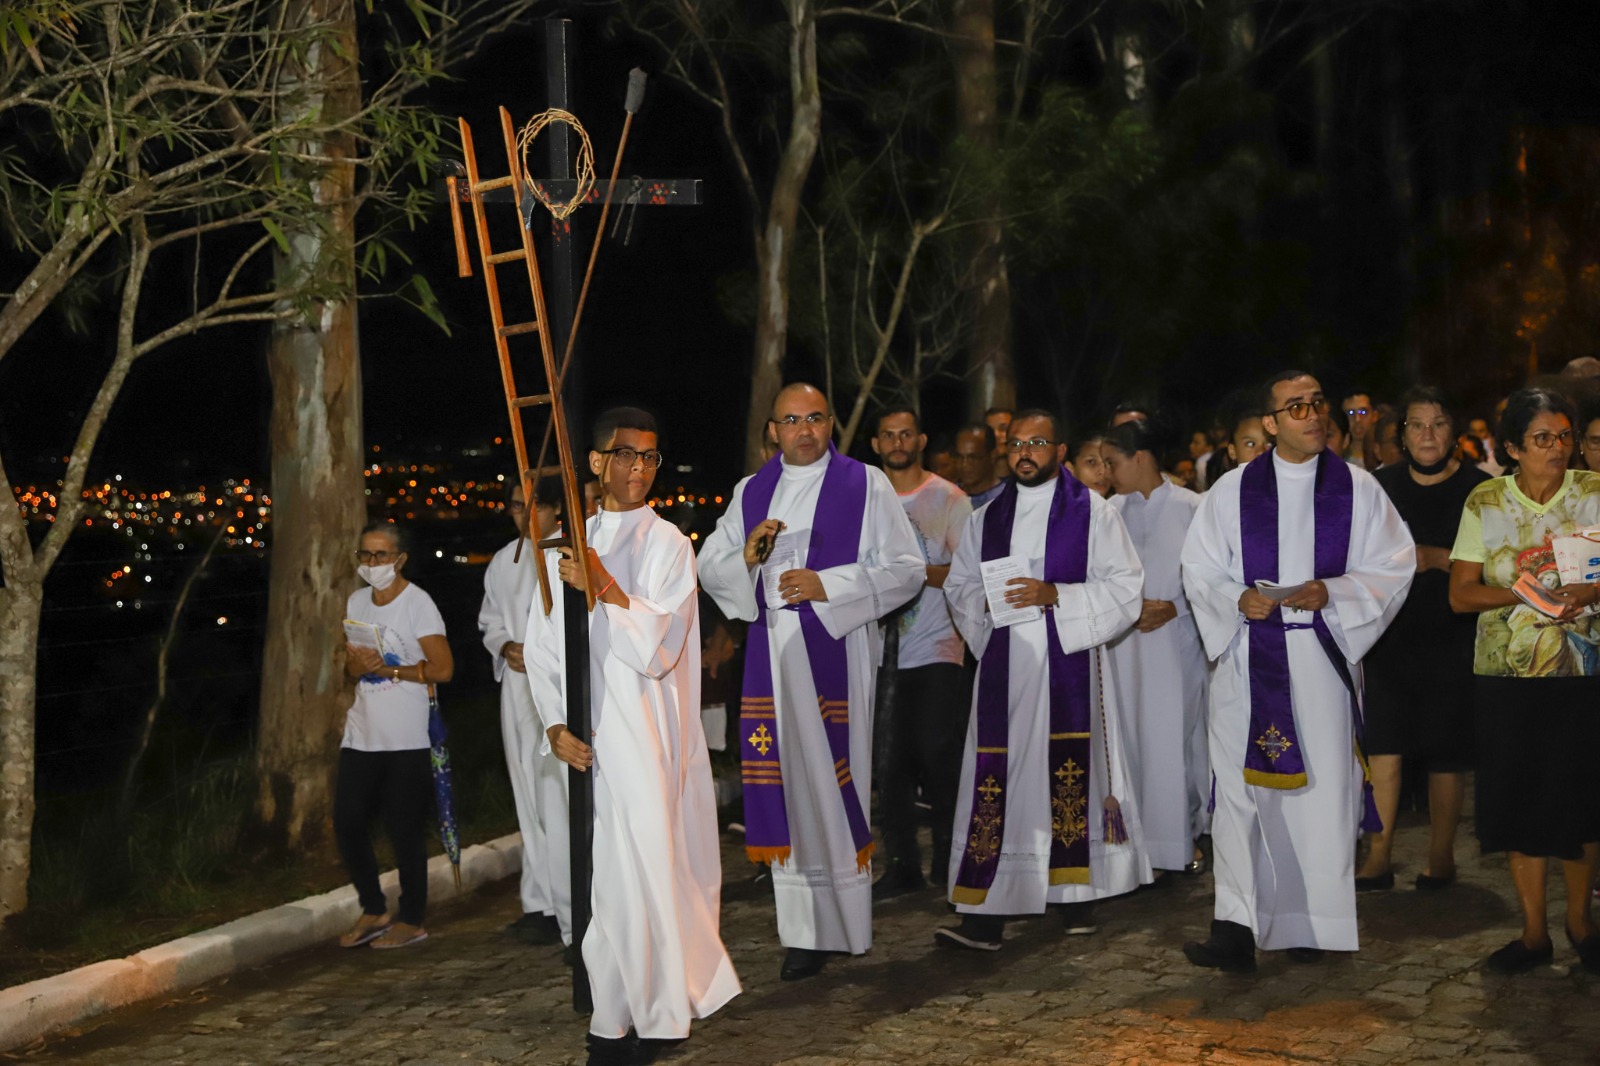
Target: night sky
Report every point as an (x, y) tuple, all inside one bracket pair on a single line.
[(654, 332)]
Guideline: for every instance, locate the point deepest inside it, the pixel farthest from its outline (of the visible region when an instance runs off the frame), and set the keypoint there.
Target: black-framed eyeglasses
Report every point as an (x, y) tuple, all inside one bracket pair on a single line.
[(366, 558), (628, 456), (1591, 442), (1037, 444), (516, 506), (815, 418), (1302, 409)]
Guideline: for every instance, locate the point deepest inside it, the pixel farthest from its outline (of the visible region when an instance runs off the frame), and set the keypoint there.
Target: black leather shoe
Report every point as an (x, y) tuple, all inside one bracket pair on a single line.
[(537, 929), (1231, 948), (621, 1051), (977, 932), (1517, 957), (1077, 919), (801, 963), (1430, 883), (1382, 883), (1588, 950), (900, 879), (1305, 954)]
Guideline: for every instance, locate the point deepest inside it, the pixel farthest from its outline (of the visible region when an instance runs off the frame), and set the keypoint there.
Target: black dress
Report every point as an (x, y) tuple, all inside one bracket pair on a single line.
[(1419, 674)]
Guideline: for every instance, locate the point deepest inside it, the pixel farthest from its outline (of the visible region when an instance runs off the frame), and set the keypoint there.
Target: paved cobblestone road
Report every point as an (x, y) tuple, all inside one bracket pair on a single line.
[(1415, 993)]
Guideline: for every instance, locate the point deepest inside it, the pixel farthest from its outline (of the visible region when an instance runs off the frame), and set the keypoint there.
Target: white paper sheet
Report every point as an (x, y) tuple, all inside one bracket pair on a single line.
[(1278, 593), (996, 572), (785, 556)]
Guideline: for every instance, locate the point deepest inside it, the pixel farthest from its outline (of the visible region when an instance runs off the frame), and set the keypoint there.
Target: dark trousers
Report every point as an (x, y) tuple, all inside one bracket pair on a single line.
[(397, 786), (923, 739)]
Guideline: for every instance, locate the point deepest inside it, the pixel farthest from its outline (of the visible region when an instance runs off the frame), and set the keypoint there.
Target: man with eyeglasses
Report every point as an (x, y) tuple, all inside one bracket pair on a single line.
[(813, 549), (538, 779), (1294, 566), (654, 954), (1363, 415), (922, 726), (974, 453), (1046, 814)]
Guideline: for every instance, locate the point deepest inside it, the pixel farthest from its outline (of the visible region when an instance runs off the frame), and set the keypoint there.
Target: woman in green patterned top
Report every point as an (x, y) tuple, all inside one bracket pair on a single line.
[(1537, 686)]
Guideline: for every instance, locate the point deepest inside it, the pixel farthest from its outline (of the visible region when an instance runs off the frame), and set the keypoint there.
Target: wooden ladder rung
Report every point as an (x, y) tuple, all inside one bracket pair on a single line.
[(540, 400), (493, 183), (506, 257), (516, 329)]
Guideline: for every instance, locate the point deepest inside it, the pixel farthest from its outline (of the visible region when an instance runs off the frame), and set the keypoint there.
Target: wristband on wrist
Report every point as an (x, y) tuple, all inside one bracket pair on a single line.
[(607, 589)]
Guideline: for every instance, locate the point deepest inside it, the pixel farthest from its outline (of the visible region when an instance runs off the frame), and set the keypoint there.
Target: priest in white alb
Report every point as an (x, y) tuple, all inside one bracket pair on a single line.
[(1046, 813), (538, 779), (813, 549), (652, 949), (1294, 565)]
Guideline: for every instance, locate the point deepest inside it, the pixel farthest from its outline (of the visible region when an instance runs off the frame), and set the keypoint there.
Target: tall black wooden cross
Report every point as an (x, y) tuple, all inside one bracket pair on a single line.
[(559, 278)]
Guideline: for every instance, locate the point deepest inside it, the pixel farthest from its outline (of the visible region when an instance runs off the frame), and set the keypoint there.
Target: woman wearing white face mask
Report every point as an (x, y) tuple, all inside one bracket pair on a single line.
[(383, 762)]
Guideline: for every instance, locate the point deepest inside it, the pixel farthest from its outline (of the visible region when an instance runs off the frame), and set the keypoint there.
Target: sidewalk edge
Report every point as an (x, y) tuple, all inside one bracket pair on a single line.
[(38, 1008)]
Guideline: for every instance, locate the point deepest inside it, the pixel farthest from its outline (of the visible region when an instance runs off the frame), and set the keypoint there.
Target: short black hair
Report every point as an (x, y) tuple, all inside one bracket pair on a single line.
[(1132, 407), (606, 426), (1522, 407), (1337, 416), (1000, 411), (1264, 399), (978, 427), (1423, 395), (1130, 438), (549, 492), (902, 409), (1056, 426)]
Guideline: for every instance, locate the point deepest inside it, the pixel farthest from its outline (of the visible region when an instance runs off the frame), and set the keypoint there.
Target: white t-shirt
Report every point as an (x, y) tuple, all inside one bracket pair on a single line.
[(938, 511), (390, 715)]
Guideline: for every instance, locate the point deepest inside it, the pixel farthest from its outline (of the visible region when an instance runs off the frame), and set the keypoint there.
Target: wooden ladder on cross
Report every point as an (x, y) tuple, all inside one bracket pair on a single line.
[(517, 403)]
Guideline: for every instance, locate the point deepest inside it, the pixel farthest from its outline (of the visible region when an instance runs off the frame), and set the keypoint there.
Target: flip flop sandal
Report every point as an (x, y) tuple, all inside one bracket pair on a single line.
[(415, 938), (366, 936)]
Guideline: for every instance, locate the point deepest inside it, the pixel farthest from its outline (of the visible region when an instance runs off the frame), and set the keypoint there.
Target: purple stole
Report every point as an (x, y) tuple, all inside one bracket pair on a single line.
[(1066, 561), (1273, 757), (835, 541)]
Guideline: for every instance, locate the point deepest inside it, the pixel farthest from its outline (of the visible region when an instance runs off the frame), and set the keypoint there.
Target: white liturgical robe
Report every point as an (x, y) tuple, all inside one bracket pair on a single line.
[(653, 950), (1161, 684), (824, 902), (1086, 616), (1285, 858), (538, 779)]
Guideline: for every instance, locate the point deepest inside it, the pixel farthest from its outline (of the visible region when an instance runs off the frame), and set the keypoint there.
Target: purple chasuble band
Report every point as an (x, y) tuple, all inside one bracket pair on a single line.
[(1066, 561), (1274, 757), (835, 541)]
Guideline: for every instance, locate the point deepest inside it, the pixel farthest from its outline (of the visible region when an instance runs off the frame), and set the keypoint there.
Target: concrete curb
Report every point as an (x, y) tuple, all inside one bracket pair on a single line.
[(38, 1008)]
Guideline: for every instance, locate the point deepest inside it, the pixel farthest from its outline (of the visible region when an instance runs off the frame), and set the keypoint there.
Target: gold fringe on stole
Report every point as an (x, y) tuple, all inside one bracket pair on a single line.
[(864, 857), (1361, 757), (970, 896), (764, 856), (1069, 875), (1266, 780)]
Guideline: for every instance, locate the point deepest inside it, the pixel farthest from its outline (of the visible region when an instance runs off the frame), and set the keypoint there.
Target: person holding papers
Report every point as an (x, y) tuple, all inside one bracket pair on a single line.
[(1294, 566), (1047, 812), (396, 648), (1537, 684), (813, 549)]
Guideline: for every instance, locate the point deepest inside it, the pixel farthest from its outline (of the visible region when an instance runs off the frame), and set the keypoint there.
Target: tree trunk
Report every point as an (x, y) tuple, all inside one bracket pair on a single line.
[(992, 380), (775, 243), (20, 601), (317, 499)]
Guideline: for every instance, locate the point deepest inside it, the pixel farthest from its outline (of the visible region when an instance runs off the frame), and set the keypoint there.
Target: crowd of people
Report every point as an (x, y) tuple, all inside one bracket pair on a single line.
[(1096, 662)]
